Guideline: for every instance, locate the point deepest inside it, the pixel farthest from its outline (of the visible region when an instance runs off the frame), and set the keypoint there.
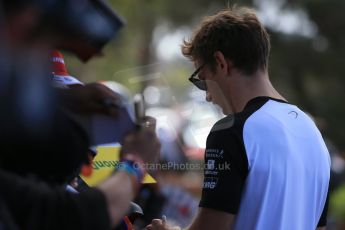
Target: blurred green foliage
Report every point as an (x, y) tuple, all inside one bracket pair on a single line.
[(337, 205)]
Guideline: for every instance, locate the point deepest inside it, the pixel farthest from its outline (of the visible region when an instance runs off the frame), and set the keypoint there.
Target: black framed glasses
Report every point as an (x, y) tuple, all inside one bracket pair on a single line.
[(200, 84)]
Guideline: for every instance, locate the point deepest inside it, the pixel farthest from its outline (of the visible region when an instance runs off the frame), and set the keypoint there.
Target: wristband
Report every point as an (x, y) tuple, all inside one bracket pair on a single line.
[(133, 168), (136, 161)]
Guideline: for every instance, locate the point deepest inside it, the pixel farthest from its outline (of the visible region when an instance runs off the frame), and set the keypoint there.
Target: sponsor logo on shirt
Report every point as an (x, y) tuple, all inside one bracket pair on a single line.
[(214, 153), (210, 182), (293, 113), (213, 173), (210, 164)]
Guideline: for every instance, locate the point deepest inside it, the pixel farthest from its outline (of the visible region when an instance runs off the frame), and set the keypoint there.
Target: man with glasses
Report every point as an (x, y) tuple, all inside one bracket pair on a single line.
[(267, 164)]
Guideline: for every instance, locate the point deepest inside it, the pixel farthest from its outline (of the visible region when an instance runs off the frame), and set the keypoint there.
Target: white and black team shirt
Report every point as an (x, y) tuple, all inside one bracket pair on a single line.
[(269, 166)]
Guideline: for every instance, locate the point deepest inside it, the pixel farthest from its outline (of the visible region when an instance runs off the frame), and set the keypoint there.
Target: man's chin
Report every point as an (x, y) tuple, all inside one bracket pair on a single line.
[(225, 111)]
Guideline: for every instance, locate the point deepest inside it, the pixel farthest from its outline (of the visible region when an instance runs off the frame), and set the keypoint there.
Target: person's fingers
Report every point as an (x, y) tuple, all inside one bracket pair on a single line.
[(110, 106), (143, 143), (141, 136), (156, 222), (106, 92), (112, 112), (130, 137), (164, 219), (105, 95), (98, 107), (104, 100), (149, 123), (149, 227)]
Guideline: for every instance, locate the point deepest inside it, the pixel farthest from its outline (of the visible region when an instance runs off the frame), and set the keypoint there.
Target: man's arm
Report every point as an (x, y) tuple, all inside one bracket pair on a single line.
[(321, 228), (120, 188), (119, 192), (205, 220)]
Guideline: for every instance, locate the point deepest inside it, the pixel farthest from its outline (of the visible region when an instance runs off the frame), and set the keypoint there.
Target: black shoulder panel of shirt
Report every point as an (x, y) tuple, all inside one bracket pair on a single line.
[(223, 186)]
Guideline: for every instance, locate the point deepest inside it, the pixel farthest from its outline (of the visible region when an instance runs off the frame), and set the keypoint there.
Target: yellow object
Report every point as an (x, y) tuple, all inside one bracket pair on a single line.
[(104, 164)]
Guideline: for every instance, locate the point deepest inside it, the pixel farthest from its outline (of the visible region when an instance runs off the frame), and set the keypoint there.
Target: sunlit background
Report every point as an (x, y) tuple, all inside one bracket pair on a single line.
[(306, 66)]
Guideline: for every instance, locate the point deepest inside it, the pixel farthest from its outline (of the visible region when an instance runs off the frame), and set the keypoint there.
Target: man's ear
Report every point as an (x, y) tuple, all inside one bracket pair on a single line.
[(223, 64)]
